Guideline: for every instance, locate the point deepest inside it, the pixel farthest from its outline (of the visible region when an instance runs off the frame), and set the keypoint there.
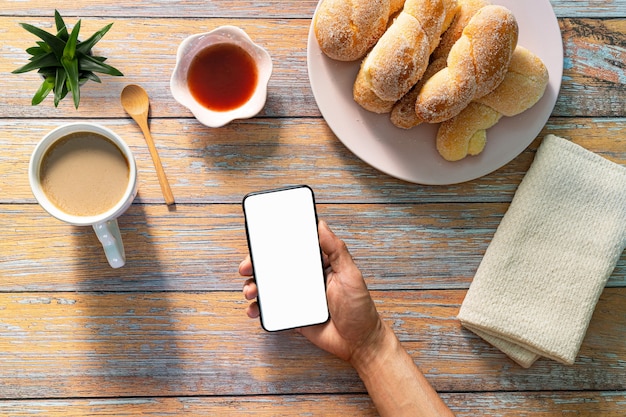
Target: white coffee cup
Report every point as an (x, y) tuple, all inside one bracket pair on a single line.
[(105, 223)]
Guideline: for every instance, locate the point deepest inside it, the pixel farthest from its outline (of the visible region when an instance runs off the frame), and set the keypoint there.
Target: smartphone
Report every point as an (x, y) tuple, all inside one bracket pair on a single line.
[(281, 227)]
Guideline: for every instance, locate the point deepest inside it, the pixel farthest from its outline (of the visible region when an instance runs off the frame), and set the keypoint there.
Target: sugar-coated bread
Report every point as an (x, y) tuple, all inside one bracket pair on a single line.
[(477, 63), (466, 133), (400, 57), (366, 98), (466, 10), (347, 29), (524, 84), (403, 112)]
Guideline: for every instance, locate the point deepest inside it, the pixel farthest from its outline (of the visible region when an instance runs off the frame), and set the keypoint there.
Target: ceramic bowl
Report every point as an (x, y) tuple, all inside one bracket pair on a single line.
[(191, 46)]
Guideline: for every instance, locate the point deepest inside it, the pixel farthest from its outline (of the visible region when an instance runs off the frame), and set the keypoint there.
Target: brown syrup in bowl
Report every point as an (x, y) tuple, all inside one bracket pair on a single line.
[(222, 77)]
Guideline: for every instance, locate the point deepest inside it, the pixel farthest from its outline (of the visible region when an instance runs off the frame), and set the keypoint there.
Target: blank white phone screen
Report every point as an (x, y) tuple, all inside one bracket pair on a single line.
[(286, 258)]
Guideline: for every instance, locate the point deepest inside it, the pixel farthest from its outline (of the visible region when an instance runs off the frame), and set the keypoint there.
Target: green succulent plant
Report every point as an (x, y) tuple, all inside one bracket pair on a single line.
[(64, 62)]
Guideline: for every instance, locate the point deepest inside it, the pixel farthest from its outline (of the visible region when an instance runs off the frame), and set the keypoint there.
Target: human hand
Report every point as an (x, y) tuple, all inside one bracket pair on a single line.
[(356, 333), (355, 324)]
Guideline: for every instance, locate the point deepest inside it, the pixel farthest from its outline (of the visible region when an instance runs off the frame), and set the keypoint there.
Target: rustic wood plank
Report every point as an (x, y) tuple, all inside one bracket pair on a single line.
[(73, 345), (498, 404), (537, 404), (586, 8), (198, 247), (592, 83), (134, 47), (167, 335), (250, 8), (221, 165), (173, 8), (594, 56)]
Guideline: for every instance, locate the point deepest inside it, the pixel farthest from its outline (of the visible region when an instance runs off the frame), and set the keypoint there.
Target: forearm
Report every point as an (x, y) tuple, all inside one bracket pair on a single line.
[(395, 384)]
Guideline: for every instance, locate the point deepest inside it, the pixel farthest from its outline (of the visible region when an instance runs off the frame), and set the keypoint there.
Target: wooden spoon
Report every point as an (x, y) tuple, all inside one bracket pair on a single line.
[(136, 103)]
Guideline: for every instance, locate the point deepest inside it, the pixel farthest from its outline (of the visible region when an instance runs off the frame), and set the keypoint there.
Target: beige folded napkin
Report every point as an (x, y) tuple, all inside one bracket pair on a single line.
[(542, 274)]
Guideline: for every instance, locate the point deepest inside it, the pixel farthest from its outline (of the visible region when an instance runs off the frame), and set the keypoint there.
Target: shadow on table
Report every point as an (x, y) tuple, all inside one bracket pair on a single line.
[(288, 362), (129, 336)]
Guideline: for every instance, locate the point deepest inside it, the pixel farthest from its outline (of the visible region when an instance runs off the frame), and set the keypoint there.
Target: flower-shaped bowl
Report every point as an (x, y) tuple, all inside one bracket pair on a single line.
[(189, 49)]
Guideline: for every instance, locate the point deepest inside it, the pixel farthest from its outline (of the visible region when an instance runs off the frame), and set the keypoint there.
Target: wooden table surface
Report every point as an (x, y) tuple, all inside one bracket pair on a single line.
[(167, 334)]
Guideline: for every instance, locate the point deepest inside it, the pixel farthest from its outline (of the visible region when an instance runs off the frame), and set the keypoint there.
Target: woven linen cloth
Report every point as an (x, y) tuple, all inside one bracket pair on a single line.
[(539, 281)]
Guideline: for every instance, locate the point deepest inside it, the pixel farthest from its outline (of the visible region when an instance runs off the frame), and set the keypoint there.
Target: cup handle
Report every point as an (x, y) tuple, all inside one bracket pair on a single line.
[(109, 235)]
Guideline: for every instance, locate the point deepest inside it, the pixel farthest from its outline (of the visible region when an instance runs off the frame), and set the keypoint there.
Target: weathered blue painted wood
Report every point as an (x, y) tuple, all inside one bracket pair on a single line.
[(198, 247), (592, 85), (167, 334), (268, 9), (162, 344)]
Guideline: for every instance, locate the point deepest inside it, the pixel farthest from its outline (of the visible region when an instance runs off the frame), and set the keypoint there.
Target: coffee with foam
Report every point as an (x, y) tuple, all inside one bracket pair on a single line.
[(84, 174)]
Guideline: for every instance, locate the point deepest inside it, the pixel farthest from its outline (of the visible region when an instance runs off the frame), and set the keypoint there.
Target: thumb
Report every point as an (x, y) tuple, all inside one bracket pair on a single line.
[(334, 248)]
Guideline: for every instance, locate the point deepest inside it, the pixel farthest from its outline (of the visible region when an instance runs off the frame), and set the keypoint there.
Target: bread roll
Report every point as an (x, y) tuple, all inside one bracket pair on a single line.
[(403, 113), (524, 84), (466, 10), (365, 97), (477, 64), (347, 29), (400, 57)]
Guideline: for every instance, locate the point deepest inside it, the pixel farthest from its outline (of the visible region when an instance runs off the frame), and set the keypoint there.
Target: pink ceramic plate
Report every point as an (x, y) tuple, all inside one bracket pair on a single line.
[(411, 155)]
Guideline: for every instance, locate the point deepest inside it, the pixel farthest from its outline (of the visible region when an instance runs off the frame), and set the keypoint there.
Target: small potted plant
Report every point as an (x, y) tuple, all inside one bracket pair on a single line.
[(64, 62)]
